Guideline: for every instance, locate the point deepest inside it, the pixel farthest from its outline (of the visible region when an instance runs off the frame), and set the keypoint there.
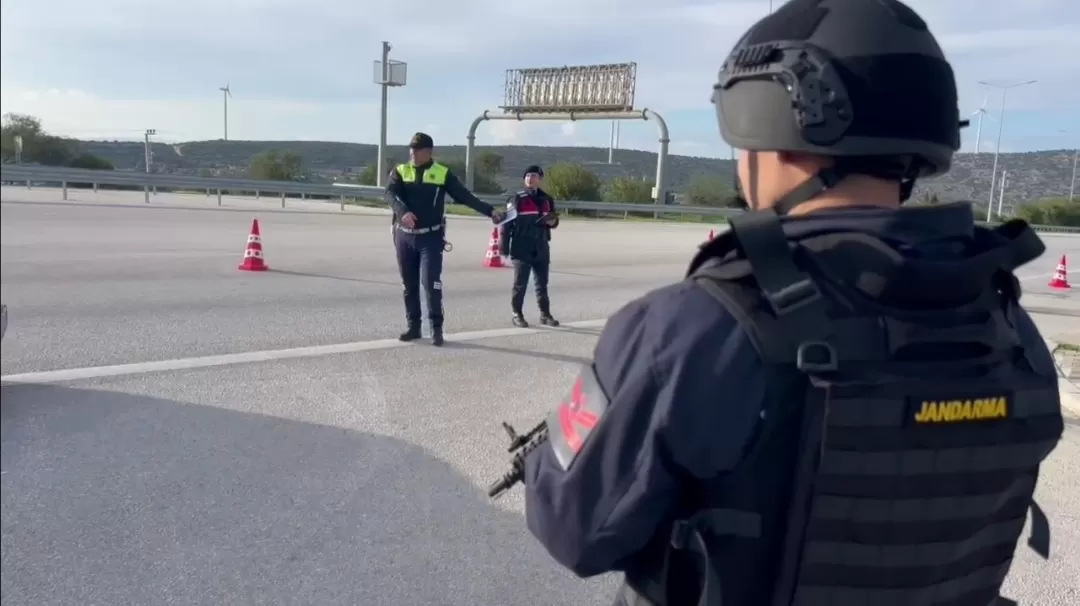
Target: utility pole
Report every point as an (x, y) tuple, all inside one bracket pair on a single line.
[(150, 132), (387, 73), (1001, 129), (1072, 182), (613, 144), (1001, 192)]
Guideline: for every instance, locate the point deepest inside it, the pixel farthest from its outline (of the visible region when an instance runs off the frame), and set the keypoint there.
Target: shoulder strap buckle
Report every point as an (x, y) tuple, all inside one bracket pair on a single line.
[(816, 357), (793, 296), (762, 240)]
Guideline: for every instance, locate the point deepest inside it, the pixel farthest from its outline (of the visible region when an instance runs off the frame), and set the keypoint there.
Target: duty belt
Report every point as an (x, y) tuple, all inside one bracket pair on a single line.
[(419, 231)]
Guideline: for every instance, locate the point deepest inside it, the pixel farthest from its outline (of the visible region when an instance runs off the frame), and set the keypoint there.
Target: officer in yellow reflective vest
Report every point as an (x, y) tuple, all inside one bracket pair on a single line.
[(416, 192)]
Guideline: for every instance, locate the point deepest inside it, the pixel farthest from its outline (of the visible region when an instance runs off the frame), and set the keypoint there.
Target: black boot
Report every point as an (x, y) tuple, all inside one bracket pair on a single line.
[(547, 320), (437, 337), (519, 321), (410, 335)]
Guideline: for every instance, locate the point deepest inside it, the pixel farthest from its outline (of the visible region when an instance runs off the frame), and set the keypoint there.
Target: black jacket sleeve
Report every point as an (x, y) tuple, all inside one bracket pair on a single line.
[(461, 195), (506, 230), (395, 195), (554, 214), (672, 398)]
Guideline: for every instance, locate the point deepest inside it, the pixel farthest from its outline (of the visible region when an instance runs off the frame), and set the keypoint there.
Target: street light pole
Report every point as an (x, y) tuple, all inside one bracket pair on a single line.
[(1072, 182), (1001, 193), (387, 73), (1001, 129), (150, 132)]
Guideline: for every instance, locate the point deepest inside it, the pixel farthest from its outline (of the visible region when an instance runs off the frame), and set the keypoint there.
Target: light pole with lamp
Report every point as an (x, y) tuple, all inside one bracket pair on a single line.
[(1001, 128), (1072, 182), (387, 73), (150, 132)]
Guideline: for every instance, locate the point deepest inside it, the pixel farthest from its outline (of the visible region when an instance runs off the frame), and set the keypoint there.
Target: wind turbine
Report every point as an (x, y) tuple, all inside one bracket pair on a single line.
[(225, 94), (981, 112)]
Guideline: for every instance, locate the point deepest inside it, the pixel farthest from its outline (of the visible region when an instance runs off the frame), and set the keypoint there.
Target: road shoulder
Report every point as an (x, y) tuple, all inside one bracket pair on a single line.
[(1070, 397)]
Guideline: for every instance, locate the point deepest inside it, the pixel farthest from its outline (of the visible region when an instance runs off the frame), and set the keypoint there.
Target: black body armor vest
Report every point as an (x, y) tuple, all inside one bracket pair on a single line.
[(905, 445)]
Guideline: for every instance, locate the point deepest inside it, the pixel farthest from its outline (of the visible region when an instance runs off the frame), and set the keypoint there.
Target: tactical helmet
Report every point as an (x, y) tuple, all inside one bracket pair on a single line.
[(849, 79)]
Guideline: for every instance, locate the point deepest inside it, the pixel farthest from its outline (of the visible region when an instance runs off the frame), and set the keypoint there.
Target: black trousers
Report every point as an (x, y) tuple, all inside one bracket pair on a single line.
[(539, 268), (420, 258)]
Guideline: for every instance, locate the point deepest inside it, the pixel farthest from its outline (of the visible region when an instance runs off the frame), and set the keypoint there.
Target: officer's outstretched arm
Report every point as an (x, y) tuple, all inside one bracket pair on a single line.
[(462, 195), (395, 195), (673, 393)]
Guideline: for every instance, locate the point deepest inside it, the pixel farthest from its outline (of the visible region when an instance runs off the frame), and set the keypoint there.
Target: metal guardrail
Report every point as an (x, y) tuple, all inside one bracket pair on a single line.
[(218, 186)]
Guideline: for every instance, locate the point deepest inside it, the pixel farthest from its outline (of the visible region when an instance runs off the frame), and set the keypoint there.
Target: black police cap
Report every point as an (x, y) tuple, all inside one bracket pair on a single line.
[(841, 78), (533, 169), (421, 141)]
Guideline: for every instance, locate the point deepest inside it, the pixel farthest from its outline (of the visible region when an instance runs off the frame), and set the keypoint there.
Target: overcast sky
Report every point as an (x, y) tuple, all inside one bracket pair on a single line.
[(303, 70)]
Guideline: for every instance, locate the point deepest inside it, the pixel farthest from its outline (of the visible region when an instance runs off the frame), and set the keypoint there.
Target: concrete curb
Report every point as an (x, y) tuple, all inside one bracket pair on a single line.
[(1070, 393), (1070, 397)]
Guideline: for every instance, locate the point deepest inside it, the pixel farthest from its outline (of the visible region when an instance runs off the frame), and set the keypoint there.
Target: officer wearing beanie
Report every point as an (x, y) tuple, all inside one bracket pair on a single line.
[(794, 423), (526, 241), (416, 192)]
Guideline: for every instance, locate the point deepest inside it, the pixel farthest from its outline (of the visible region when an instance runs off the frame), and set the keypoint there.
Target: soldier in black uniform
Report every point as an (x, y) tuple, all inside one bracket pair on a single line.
[(416, 193), (526, 241), (844, 403)]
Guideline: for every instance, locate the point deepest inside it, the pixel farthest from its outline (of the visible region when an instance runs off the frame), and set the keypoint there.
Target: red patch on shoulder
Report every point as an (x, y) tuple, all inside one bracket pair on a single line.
[(572, 414)]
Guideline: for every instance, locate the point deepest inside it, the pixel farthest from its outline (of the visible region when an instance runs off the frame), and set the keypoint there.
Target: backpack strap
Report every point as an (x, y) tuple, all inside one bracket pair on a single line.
[(794, 330), (1023, 244), (794, 299)]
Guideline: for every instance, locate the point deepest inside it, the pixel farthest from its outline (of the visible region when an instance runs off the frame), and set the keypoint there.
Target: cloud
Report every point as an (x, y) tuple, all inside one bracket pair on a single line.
[(308, 72), (84, 115), (506, 132)]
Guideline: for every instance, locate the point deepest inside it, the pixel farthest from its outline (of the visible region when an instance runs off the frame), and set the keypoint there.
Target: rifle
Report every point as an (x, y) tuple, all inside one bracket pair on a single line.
[(520, 447)]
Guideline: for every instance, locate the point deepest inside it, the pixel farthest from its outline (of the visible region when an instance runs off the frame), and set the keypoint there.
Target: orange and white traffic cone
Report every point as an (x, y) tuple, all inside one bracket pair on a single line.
[(1061, 275), (492, 257), (253, 253)]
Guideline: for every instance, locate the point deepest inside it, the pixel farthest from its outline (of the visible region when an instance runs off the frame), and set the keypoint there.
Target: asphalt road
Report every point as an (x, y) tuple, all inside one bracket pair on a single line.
[(303, 471)]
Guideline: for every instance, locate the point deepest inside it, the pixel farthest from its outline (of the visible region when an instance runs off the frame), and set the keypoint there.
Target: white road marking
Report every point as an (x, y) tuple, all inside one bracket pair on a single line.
[(94, 372)]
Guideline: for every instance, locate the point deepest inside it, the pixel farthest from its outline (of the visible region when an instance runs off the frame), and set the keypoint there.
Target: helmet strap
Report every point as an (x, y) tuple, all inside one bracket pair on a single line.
[(907, 183), (828, 178), (823, 180)]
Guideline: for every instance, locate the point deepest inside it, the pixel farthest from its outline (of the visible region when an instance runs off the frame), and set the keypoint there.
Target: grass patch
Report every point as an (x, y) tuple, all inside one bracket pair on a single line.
[(1069, 347)]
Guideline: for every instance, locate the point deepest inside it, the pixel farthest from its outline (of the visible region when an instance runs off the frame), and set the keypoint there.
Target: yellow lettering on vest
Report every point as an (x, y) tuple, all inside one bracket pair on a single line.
[(959, 411)]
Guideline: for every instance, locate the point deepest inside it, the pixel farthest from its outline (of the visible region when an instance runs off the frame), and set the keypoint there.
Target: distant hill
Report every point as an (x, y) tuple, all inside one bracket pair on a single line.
[(1031, 175)]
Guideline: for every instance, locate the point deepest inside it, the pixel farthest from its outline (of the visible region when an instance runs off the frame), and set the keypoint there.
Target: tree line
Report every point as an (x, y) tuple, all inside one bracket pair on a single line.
[(567, 181), (22, 139), (1059, 211), (563, 180)]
